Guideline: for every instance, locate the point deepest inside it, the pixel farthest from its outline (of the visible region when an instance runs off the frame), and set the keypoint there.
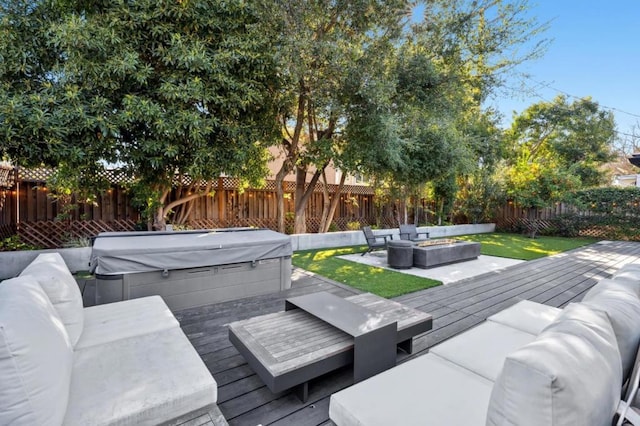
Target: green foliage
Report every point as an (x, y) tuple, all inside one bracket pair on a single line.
[(378, 281), (609, 200), (353, 226), (610, 213), (75, 242), (606, 226), (574, 137), (445, 190), (14, 243), (614, 214), (478, 197), (535, 185), (161, 88)]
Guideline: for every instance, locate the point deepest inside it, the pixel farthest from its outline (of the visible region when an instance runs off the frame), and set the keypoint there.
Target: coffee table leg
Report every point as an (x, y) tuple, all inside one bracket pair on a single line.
[(374, 352), (406, 346), (302, 391)]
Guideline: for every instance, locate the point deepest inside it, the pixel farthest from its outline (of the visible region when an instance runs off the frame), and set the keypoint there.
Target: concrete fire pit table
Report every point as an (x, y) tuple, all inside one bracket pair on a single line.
[(432, 253)]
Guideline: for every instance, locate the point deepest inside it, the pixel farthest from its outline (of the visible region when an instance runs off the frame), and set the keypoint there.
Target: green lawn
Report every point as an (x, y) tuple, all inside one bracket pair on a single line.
[(389, 284), (517, 246), (375, 280)]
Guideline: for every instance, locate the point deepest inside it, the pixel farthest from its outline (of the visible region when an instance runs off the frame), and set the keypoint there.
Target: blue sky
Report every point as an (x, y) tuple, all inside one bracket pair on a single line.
[(595, 52)]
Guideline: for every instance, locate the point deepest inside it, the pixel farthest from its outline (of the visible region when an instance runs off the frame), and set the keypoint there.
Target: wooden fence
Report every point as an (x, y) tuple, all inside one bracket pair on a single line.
[(567, 220), (27, 209)]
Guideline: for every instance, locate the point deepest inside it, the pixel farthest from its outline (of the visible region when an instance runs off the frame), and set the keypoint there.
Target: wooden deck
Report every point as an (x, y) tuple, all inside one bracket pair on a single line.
[(245, 400)]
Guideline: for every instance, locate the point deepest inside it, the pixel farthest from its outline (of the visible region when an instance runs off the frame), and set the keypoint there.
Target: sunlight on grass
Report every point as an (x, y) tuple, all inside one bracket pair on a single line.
[(388, 283), (516, 246), (372, 279)]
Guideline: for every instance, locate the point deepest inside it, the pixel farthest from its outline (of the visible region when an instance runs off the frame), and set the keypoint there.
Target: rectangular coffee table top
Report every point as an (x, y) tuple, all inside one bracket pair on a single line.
[(341, 313), (285, 341)]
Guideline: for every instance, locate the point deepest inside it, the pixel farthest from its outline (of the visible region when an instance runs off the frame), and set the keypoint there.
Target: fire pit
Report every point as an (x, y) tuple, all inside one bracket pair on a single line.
[(434, 253), (439, 242)]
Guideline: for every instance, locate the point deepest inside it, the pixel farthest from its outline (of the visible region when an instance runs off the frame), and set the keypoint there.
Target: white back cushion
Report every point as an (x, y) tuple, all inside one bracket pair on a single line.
[(629, 275), (570, 375), (35, 356), (621, 285), (623, 309), (57, 282)]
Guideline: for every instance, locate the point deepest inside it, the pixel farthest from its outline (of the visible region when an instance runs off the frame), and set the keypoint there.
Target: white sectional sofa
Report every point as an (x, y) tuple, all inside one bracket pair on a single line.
[(530, 364), (125, 363)]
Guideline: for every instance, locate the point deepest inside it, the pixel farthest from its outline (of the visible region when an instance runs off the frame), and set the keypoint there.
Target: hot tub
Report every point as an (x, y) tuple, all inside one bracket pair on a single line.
[(190, 268)]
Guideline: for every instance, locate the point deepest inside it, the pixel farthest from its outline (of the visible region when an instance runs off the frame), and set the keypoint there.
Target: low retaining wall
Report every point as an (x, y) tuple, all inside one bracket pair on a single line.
[(77, 259), (13, 262), (354, 238)]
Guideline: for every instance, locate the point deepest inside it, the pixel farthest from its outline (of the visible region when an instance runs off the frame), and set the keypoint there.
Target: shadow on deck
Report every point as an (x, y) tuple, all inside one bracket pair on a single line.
[(245, 400)]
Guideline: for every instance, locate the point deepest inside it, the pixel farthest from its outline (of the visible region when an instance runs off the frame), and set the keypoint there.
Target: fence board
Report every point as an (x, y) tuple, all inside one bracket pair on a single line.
[(39, 222)]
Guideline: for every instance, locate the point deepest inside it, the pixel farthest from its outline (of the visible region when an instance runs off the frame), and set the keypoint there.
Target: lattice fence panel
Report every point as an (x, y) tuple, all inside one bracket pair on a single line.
[(7, 176), (7, 231), (56, 234)]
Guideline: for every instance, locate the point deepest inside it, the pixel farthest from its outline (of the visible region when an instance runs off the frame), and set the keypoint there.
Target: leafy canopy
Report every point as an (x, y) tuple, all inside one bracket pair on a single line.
[(160, 88), (577, 136)]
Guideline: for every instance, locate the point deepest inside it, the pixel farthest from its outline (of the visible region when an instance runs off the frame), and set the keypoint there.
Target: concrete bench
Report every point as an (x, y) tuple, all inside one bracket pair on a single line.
[(126, 363)]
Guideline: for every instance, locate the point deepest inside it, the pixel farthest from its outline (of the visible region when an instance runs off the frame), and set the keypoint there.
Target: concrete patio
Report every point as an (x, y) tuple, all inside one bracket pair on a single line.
[(447, 273), (456, 307)]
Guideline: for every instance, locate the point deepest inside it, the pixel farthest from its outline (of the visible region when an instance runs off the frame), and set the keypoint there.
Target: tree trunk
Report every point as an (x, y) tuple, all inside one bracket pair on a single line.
[(159, 222), (532, 215), (300, 224), (280, 198), (326, 201), (301, 200), (290, 147), (334, 203), (406, 210)]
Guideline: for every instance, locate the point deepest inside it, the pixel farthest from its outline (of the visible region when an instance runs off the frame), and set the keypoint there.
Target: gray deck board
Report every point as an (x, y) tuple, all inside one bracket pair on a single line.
[(245, 400)]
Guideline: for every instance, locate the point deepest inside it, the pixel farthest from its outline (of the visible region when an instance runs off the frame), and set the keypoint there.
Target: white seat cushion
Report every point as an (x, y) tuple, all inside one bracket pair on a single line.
[(121, 320), (530, 317), (570, 375), (483, 348), (57, 282), (427, 390), (143, 380), (35, 356)]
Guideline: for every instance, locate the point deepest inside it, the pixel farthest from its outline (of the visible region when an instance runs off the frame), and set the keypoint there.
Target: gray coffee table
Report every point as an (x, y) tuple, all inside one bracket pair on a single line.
[(320, 332)]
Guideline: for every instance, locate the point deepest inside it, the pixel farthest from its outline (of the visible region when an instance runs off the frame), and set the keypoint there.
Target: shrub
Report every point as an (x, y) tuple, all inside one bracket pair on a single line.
[(76, 242), (14, 243), (353, 226)]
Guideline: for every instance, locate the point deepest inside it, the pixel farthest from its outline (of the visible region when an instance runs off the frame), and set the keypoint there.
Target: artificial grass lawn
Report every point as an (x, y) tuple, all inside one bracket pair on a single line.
[(375, 280), (517, 246), (389, 284)]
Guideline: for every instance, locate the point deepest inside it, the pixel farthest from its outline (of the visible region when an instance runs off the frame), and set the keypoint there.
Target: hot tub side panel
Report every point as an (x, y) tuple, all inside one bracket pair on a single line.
[(187, 288)]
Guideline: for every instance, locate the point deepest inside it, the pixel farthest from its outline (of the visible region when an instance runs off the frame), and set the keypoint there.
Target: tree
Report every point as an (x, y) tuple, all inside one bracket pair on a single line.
[(174, 92), (578, 135), (450, 63), (533, 185), (325, 47)]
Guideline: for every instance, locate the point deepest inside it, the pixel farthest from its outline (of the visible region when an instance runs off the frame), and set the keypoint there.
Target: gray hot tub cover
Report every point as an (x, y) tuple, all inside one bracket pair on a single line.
[(116, 253)]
